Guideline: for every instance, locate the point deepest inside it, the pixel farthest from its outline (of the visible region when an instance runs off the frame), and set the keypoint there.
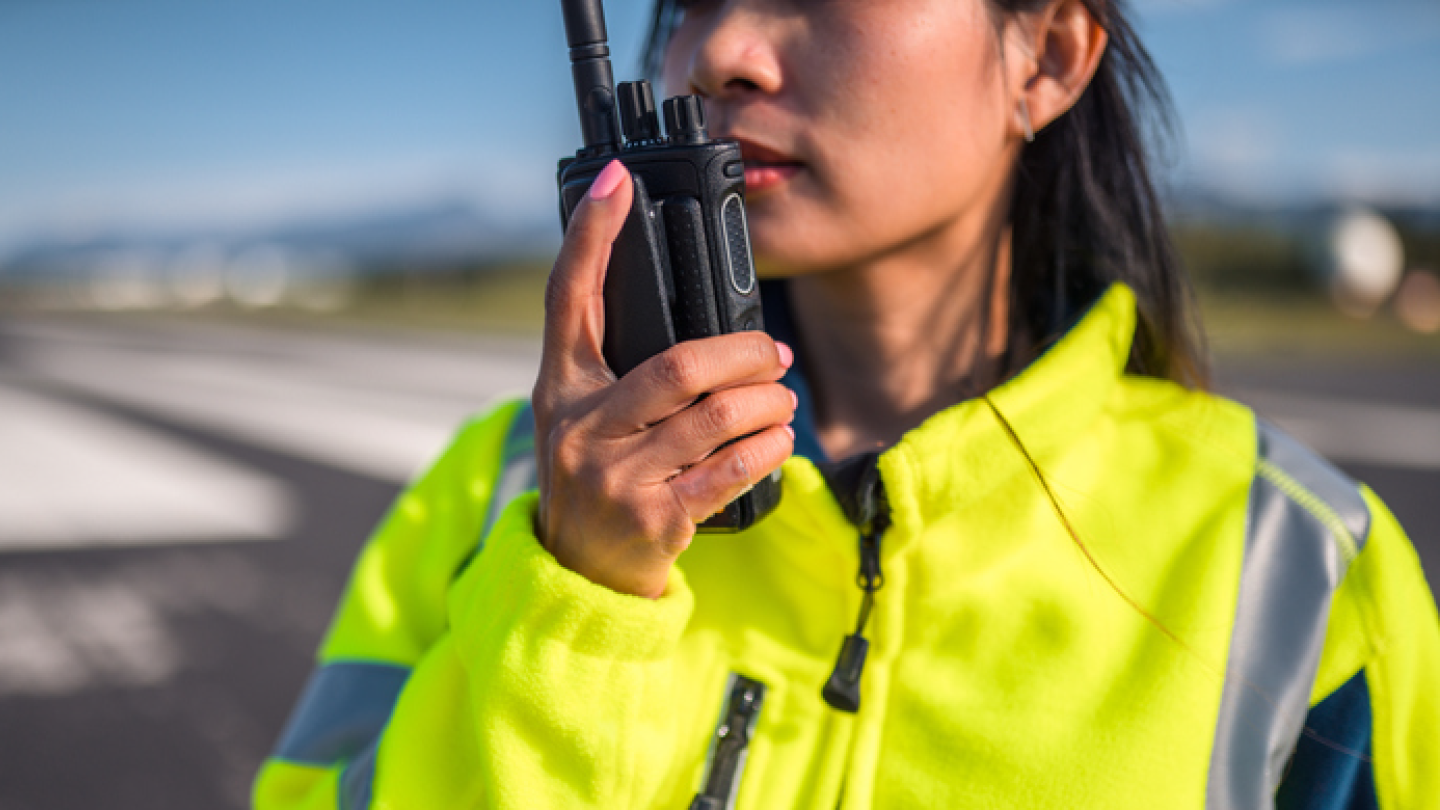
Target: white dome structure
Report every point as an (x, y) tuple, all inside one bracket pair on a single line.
[(1365, 259)]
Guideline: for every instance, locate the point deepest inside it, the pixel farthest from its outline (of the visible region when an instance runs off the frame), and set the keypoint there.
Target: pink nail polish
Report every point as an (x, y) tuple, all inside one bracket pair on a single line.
[(787, 356), (791, 431), (607, 181), (794, 401)]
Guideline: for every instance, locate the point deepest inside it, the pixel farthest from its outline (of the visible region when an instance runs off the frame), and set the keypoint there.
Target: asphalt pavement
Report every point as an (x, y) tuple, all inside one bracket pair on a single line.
[(180, 503)]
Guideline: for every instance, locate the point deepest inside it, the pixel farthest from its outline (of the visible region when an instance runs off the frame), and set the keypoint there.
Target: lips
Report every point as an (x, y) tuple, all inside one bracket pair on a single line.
[(765, 167)]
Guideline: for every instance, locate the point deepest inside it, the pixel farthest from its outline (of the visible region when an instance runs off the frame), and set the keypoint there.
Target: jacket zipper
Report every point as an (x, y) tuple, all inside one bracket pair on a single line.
[(861, 493), (731, 744), (857, 486)]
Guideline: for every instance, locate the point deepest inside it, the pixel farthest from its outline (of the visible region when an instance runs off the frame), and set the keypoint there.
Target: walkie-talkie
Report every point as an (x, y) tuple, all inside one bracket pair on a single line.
[(681, 267)]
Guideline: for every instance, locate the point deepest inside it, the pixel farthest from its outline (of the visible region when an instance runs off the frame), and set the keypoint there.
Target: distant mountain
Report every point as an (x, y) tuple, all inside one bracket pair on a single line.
[(444, 231), (441, 232)]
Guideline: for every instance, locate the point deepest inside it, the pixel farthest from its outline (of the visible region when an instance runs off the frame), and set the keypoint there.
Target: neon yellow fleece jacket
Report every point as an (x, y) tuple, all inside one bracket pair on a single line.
[(1239, 626)]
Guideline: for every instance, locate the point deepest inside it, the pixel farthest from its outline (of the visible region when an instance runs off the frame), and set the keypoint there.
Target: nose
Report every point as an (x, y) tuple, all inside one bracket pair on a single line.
[(733, 52)]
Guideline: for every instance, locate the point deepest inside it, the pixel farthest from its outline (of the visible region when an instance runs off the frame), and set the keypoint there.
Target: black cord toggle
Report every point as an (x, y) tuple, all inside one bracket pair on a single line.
[(860, 492), (842, 691)]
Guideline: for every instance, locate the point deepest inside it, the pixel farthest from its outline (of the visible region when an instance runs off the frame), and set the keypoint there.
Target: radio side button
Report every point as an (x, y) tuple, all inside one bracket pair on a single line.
[(737, 245)]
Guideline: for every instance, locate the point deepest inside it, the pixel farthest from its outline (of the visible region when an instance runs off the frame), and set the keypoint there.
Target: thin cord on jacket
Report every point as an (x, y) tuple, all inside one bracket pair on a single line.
[(1129, 600)]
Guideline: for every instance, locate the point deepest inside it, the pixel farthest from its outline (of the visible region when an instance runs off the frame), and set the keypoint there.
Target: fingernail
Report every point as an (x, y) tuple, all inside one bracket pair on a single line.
[(791, 431), (608, 180), (794, 401), (787, 357)]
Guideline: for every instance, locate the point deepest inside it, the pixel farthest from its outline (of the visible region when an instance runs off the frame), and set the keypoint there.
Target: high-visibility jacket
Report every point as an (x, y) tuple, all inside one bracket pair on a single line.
[(1237, 619)]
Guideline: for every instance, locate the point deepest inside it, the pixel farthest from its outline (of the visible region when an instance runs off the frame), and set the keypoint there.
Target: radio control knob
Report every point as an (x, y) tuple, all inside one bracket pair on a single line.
[(685, 120), (637, 111)]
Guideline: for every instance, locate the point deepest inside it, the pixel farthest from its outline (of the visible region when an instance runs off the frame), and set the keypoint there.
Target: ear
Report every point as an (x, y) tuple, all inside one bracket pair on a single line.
[(1062, 48)]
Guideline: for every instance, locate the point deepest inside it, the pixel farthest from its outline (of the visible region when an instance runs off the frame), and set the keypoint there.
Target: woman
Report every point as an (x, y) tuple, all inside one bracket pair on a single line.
[(1081, 581)]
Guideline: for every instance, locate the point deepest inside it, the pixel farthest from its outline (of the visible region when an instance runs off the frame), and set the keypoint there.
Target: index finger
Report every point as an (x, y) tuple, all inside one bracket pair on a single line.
[(574, 294)]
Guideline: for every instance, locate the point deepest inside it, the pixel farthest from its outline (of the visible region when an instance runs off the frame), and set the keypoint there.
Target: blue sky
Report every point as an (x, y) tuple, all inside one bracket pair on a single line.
[(174, 114)]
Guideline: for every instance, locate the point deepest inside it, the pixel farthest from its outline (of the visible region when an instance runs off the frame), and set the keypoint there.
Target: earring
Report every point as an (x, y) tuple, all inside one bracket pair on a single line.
[(1025, 121)]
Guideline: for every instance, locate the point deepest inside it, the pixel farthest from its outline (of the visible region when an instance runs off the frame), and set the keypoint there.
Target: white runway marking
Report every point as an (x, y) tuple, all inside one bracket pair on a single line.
[(59, 638), (379, 409), (71, 478), (65, 632)]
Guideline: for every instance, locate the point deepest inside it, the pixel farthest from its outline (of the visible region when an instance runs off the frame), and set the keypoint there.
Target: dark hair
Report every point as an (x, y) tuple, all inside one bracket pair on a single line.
[(1085, 212)]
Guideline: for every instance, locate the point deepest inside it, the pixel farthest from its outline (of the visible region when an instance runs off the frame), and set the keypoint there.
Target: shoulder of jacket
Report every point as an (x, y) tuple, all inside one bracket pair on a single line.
[(477, 445), (1232, 432), (472, 461), (493, 421), (1314, 484), (518, 471), (1210, 425)]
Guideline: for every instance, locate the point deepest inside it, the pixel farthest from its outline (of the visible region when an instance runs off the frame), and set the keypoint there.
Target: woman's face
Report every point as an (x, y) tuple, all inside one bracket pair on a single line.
[(868, 126)]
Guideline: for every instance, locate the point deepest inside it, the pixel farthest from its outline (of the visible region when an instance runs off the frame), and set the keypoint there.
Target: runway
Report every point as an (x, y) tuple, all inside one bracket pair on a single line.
[(180, 502)]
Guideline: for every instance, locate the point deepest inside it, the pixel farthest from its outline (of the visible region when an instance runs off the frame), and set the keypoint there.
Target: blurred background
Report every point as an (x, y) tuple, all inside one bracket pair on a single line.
[(258, 259)]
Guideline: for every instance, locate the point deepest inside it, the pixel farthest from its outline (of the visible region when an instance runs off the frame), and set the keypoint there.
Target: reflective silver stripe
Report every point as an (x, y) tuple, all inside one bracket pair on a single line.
[(358, 779), (1306, 522), (344, 708), (518, 475), (1334, 489)]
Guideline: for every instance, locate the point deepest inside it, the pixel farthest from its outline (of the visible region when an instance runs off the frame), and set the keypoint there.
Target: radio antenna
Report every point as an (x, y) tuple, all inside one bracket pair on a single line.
[(594, 79)]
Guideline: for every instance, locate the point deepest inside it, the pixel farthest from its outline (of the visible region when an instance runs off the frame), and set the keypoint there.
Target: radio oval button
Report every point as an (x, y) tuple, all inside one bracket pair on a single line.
[(737, 245)]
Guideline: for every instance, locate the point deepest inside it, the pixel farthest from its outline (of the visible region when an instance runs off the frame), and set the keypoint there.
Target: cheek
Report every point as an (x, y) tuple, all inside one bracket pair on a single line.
[(925, 112), (908, 135)]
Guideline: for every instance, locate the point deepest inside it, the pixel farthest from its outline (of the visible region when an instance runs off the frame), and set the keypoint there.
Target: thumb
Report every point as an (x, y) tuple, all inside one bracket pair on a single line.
[(574, 295)]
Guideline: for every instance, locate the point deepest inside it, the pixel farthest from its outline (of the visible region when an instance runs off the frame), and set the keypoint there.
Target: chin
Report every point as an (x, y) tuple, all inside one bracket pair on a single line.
[(774, 257), (787, 249), (773, 266), (773, 236)]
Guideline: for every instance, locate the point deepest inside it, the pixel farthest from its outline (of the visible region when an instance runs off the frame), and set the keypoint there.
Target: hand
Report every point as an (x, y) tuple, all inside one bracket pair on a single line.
[(628, 467)]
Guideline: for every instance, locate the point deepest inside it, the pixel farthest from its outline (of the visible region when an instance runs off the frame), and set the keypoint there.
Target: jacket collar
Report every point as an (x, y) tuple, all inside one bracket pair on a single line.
[(962, 453)]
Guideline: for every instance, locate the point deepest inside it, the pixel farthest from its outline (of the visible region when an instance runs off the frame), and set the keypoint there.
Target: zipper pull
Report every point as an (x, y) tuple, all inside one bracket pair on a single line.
[(842, 691), (860, 492), (732, 743)]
